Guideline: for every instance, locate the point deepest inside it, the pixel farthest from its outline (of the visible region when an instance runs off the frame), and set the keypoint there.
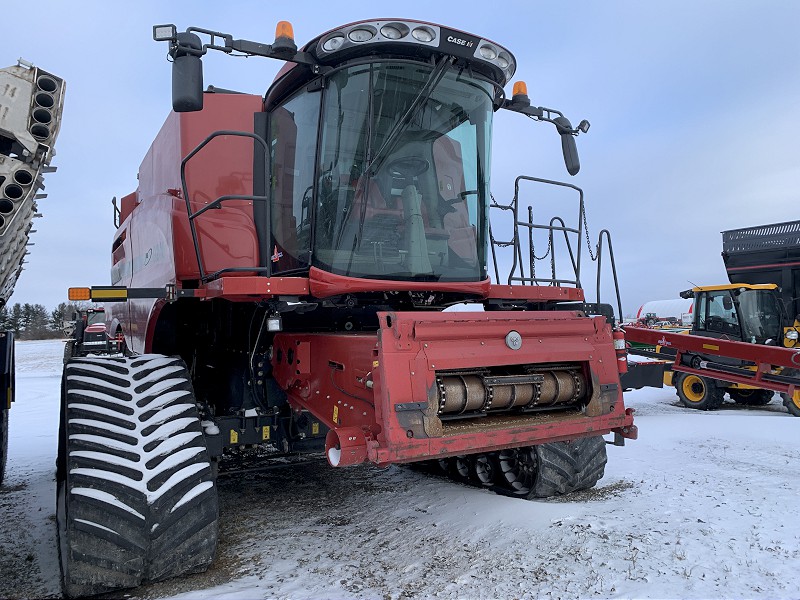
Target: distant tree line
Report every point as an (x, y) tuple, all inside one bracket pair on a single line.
[(34, 322)]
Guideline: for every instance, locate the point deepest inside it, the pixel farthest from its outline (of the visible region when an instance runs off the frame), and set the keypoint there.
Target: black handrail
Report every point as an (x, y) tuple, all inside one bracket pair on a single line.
[(517, 271), (518, 262), (216, 204), (613, 268)]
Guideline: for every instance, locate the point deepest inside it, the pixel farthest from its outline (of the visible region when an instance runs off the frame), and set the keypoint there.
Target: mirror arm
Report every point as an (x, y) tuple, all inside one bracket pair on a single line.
[(269, 51), (224, 42), (540, 113), (521, 104)]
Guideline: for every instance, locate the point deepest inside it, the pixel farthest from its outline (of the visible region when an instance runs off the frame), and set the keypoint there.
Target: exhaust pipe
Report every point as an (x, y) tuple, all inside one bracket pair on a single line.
[(345, 447)]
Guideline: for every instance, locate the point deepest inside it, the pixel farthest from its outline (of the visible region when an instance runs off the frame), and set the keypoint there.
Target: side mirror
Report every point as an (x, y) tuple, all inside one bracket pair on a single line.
[(568, 146), (727, 303), (187, 74)]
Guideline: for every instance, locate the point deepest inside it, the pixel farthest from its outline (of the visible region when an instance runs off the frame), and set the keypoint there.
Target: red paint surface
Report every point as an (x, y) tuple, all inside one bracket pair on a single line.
[(327, 374)]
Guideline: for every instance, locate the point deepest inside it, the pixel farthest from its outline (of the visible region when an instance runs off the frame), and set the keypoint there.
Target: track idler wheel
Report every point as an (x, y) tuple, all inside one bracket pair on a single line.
[(517, 469), (460, 468), (529, 472), (482, 469)]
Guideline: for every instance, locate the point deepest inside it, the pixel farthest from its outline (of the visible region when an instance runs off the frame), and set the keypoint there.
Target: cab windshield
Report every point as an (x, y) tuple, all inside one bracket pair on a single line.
[(761, 316), (412, 208)]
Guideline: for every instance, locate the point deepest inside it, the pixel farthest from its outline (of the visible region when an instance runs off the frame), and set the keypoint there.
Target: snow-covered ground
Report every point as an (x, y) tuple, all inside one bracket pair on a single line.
[(701, 506)]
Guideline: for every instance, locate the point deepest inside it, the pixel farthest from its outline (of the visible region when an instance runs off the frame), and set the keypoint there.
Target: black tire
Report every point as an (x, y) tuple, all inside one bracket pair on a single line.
[(792, 404), (3, 441), (69, 350), (136, 498), (7, 391), (551, 469), (698, 392), (747, 397), (459, 468)]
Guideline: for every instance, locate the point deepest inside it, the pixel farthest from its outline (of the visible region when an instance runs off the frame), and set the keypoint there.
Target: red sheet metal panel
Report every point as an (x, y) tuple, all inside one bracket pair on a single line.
[(384, 386), (248, 288), (773, 355)]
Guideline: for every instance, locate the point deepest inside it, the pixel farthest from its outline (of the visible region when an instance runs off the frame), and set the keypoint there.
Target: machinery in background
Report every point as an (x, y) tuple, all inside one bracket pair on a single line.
[(753, 322), (88, 335), (31, 104)]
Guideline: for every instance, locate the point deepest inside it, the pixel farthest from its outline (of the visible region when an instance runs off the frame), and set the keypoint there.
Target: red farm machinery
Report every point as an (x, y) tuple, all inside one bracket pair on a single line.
[(286, 275), (31, 104)]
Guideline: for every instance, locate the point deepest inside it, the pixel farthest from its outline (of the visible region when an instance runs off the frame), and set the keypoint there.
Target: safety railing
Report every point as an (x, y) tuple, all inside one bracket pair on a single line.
[(217, 204), (524, 258)]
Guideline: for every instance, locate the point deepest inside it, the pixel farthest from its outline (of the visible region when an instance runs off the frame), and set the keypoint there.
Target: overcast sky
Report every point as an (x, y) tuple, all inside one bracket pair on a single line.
[(694, 106)]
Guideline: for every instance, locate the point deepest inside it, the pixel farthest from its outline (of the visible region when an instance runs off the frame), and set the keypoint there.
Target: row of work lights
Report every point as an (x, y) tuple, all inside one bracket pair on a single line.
[(420, 34)]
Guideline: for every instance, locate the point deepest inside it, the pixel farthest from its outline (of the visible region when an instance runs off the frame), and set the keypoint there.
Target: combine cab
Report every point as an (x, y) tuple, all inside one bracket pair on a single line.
[(286, 275), (31, 102)]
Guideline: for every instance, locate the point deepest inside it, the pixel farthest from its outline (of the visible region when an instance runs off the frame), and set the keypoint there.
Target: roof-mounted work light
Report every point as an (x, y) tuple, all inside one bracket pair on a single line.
[(165, 33)]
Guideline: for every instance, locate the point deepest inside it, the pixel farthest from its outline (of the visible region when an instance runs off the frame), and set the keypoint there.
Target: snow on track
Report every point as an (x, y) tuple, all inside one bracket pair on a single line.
[(701, 506)]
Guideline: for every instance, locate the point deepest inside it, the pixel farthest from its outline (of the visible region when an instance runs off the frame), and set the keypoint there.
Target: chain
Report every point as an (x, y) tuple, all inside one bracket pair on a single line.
[(586, 231), (549, 248)]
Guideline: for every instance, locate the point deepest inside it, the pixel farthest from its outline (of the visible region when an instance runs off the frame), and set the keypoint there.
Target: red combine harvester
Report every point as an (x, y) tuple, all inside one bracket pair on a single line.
[(285, 274)]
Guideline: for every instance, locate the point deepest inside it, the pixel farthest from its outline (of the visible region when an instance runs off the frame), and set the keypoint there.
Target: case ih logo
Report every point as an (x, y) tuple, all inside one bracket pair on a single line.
[(663, 342), (460, 41)]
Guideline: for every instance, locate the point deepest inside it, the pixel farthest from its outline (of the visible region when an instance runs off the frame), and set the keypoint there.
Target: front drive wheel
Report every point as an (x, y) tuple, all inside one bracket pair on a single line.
[(698, 392)]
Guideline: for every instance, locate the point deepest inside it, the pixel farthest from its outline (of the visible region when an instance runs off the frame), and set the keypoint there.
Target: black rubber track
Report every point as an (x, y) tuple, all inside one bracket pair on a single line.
[(137, 501), (551, 469), (540, 471), (69, 350), (7, 391), (3, 442), (566, 467)]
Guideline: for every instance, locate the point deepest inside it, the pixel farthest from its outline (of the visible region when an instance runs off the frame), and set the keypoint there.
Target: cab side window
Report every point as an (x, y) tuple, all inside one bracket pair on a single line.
[(293, 141)]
